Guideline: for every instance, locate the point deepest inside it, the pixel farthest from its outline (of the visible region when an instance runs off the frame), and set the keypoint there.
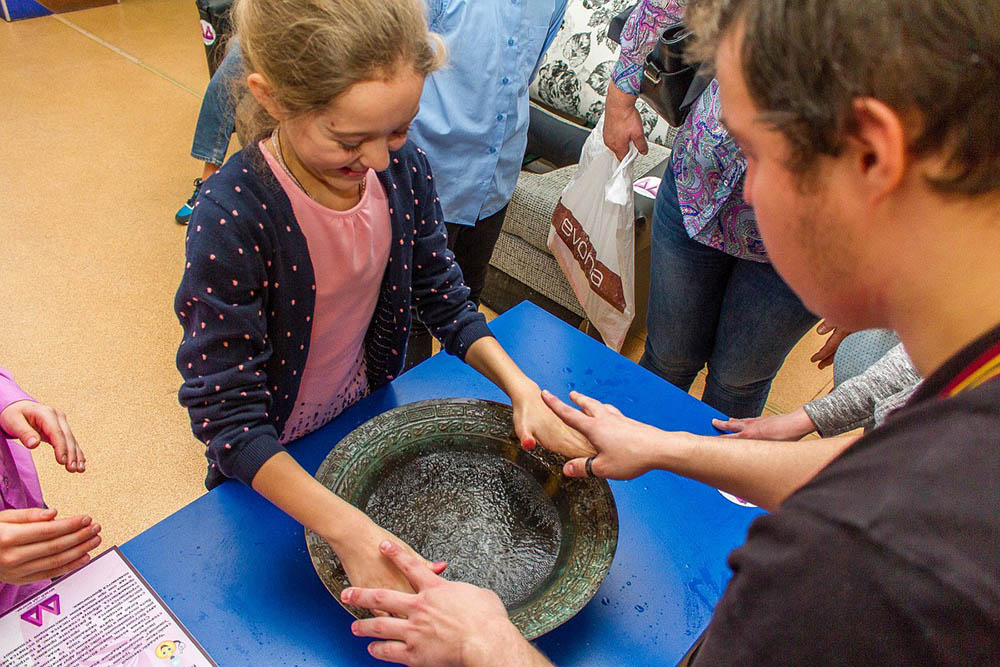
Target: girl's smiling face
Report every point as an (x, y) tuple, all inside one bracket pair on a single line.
[(333, 148)]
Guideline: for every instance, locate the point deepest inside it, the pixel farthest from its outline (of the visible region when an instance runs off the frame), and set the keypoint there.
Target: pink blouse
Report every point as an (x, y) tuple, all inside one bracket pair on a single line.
[(349, 252)]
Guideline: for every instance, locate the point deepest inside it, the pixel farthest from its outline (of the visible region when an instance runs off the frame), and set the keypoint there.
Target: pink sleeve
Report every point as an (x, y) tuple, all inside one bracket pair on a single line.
[(9, 391)]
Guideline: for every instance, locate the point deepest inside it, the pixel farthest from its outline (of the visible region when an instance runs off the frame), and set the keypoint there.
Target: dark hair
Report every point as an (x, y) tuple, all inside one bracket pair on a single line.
[(806, 61)]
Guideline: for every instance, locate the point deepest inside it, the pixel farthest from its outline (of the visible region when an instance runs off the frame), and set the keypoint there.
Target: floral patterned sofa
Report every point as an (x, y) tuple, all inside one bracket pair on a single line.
[(567, 99)]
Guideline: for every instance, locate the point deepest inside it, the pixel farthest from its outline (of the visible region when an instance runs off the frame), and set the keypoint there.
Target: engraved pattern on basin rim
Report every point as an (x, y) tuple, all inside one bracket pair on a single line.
[(585, 556)]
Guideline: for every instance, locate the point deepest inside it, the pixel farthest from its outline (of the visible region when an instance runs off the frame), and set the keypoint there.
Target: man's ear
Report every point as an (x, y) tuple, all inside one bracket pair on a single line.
[(880, 142), (260, 88)]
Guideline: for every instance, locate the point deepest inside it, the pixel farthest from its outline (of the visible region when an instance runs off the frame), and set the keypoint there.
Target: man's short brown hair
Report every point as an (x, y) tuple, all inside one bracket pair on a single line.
[(805, 61)]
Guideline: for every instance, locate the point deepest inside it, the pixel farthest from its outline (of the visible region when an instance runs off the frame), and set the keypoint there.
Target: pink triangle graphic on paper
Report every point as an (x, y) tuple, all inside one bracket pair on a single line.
[(33, 616), (51, 604)]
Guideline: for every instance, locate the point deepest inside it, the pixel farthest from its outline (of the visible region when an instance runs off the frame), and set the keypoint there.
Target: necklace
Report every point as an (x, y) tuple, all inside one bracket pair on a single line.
[(276, 144)]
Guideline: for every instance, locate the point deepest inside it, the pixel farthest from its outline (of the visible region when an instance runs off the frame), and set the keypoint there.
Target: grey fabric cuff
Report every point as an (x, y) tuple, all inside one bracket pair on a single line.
[(830, 422)]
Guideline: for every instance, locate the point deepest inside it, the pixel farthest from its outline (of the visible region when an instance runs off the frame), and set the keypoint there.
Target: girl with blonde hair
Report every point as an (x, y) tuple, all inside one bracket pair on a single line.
[(307, 249)]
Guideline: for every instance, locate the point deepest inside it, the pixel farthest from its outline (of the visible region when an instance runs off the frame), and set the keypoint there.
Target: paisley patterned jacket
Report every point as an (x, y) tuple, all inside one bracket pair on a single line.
[(706, 162)]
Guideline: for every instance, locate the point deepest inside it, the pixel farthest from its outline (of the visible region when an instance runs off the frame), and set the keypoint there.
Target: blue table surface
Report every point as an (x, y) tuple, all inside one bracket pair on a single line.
[(235, 569)]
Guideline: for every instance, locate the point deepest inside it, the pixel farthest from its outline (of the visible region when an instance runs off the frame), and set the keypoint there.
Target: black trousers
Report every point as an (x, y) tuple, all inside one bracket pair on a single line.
[(473, 247)]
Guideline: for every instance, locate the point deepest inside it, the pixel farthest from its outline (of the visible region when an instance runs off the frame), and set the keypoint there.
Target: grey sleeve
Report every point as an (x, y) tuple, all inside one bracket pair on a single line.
[(854, 403)]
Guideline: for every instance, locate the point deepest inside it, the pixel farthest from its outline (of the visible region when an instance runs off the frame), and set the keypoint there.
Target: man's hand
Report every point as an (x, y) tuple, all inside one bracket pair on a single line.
[(365, 566), (34, 545), (625, 447), (32, 423), (535, 424), (824, 357), (622, 123), (790, 426), (443, 623)]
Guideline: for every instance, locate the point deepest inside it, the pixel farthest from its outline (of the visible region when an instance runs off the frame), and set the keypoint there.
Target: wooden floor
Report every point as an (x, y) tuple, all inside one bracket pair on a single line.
[(98, 110)]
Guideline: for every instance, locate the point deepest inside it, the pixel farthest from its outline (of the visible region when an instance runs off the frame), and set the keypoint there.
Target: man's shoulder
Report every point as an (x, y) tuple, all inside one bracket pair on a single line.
[(923, 486)]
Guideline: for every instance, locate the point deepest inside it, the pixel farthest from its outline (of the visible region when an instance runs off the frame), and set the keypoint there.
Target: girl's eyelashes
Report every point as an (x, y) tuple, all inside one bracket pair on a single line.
[(399, 134)]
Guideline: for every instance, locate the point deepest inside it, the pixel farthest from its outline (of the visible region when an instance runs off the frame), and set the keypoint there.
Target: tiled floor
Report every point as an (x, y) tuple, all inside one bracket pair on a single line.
[(98, 108)]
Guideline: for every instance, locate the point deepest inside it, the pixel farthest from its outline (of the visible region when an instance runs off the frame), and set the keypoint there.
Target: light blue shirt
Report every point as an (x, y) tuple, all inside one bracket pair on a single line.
[(473, 119)]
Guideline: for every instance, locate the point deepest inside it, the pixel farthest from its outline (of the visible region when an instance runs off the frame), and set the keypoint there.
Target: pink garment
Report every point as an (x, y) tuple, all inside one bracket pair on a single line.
[(349, 251), (19, 486)]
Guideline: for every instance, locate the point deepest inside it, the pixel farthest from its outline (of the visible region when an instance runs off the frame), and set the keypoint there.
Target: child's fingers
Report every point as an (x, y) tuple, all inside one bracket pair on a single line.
[(46, 421), (65, 569), (38, 551), (74, 455), (29, 515), (17, 425), (18, 534), (60, 560)]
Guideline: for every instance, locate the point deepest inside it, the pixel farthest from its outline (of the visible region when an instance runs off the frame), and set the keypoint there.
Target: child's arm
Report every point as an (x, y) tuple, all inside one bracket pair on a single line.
[(440, 295), (223, 356), (31, 423), (224, 350), (441, 298), (534, 422), (353, 536)]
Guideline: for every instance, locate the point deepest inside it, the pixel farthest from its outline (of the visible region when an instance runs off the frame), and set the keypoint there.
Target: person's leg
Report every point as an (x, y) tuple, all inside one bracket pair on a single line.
[(686, 285), (473, 247), (217, 117), (762, 319), (216, 121)]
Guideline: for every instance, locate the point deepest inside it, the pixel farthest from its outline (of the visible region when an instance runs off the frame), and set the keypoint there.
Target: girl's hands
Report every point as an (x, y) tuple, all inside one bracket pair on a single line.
[(32, 423), (535, 424), (789, 426), (34, 545), (366, 566), (625, 447)]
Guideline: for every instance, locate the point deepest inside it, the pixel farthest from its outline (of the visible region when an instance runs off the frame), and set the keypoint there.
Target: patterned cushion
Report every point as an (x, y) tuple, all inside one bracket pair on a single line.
[(574, 75)]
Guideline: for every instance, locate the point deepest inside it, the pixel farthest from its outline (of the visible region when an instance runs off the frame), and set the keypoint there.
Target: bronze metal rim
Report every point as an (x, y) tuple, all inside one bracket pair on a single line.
[(589, 518)]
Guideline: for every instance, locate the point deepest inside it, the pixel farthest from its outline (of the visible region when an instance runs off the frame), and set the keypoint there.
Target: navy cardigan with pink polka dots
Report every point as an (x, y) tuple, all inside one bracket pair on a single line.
[(247, 296)]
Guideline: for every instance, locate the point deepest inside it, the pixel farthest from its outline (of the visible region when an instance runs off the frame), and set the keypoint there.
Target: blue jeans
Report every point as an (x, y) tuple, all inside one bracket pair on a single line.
[(707, 307), (217, 117)]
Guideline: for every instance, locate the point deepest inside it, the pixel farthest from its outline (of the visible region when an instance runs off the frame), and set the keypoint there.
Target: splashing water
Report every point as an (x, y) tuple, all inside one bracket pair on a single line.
[(490, 520)]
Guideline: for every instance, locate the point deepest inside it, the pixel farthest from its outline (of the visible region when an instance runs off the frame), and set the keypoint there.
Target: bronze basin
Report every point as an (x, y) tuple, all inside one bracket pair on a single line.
[(448, 476)]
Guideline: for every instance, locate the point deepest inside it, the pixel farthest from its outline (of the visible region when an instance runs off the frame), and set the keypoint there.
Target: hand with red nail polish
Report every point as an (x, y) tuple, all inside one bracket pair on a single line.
[(535, 424)]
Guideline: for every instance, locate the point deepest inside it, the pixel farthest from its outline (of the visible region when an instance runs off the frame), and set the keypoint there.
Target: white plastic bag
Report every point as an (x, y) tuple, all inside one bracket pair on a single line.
[(593, 239)]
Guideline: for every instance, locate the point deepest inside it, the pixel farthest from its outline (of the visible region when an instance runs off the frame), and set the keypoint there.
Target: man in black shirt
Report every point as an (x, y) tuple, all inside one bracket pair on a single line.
[(873, 155)]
